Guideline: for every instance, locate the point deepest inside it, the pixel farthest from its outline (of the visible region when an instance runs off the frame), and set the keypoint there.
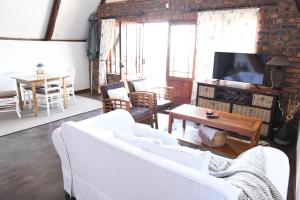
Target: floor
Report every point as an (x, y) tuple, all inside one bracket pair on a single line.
[(30, 166)]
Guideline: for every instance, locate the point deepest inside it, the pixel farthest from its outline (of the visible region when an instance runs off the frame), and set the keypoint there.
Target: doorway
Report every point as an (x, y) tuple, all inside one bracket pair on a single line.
[(155, 52), (180, 62)]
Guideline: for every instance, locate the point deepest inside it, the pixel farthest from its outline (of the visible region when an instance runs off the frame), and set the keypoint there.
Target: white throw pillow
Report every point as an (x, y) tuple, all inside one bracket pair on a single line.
[(195, 159), (141, 86), (143, 130), (119, 93), (133, 140)]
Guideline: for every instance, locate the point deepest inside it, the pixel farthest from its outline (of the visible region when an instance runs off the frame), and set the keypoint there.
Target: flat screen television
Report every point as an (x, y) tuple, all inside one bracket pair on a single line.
[(240, 67)]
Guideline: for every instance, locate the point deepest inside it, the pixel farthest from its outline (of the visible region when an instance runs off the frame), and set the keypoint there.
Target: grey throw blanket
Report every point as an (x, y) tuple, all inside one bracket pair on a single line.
[(247, 172)]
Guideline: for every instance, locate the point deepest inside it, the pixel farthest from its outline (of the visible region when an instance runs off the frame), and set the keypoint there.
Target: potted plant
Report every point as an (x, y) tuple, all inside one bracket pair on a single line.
[(289, 105)]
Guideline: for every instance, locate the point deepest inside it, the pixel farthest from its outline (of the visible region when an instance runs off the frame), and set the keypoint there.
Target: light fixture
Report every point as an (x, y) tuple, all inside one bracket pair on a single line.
[(277, 73)]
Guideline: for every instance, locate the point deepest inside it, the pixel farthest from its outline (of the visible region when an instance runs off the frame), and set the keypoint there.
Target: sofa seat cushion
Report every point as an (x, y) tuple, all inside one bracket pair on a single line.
[(139, 113), (8, 94)]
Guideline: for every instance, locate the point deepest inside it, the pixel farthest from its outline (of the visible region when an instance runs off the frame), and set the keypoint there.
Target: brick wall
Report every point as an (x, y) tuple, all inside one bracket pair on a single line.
[(280, 35), (279, 30)]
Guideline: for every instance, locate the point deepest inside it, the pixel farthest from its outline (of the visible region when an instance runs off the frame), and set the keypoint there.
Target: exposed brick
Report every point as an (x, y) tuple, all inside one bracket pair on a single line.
[(279, 25)]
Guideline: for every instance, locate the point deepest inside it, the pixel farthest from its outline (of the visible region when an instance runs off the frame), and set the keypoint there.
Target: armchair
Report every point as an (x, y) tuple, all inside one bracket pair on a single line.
[(139, 104), (164, 95)]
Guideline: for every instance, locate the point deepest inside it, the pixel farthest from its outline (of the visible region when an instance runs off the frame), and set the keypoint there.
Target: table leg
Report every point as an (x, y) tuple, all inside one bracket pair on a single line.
[(255, 139), (170, 123), (35, 104), (65, 93), (21, 103), (183, 124)]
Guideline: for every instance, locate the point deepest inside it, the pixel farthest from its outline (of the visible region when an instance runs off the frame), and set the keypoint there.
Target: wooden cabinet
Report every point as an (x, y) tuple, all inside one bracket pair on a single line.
[(239, 98)]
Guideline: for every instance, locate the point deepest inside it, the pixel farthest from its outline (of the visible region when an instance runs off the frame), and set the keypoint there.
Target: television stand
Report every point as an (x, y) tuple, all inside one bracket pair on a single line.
[(257, 86), (217, 81), (240, 98)]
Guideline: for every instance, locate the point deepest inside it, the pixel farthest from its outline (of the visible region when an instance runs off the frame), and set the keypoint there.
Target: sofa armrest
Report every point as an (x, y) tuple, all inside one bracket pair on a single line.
[(61, 149)]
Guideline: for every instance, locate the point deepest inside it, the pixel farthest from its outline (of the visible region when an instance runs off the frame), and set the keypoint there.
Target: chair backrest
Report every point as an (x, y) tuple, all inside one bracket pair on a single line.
[(130, 84), (52, 85), (110, 86), (71, 71), (6, 82)]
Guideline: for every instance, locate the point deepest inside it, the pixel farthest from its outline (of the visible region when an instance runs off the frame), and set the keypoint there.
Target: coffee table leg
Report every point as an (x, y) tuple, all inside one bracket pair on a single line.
[(170, 123)]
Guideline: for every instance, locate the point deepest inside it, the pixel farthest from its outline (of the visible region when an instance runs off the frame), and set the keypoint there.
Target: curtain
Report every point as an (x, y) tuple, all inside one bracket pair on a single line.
[(106, 43), (225, 31)]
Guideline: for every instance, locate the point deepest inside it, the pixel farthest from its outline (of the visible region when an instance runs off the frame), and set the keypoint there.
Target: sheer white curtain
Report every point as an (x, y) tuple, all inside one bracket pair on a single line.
[(106, 43), (225, 31)]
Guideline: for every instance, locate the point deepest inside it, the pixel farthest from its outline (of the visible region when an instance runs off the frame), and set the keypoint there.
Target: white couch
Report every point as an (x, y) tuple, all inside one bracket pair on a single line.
[(97, 165)]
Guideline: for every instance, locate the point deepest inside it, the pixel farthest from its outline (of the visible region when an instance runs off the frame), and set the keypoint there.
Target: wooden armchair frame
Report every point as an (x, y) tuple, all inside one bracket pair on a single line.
[(142, 109), (162, 93)]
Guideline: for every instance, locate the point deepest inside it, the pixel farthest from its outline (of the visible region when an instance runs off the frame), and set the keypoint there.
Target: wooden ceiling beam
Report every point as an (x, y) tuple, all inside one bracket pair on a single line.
[(52, 19)]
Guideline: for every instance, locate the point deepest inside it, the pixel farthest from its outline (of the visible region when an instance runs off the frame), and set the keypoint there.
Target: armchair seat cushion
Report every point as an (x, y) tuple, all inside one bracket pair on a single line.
[(163, 104), (8, 94), (140, 113)]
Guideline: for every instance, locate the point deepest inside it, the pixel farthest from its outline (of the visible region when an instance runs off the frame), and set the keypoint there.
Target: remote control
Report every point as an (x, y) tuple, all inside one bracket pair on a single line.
[(209, 112), (212, 116)]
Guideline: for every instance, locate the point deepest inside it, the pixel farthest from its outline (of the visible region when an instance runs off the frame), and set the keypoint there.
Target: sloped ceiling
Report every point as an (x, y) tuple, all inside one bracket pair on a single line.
[(28, 19)]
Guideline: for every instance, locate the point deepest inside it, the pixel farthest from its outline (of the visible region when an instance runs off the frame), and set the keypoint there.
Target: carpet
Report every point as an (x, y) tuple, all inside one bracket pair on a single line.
[(9, 122)]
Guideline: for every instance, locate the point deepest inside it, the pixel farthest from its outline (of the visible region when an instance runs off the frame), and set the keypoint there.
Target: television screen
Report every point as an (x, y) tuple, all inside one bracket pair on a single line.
[(241, 67)]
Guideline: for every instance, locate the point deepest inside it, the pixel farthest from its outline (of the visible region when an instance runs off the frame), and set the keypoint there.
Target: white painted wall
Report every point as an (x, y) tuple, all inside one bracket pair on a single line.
[(23, 56), (72, 19), (29, 18), (298, 167), (24, 19)]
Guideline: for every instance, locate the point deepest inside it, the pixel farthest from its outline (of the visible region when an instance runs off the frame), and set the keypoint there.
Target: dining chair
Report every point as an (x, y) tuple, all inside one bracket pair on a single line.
[(139, 104), (9, 101), (70, 85), (51, 93)]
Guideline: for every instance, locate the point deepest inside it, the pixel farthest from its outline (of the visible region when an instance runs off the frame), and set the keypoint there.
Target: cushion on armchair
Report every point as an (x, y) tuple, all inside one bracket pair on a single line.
[(119, 93), (140, 112), (141, 86)]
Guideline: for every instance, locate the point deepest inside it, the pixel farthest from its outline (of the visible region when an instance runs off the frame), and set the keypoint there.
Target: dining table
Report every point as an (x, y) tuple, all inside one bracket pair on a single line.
[(34, 81)]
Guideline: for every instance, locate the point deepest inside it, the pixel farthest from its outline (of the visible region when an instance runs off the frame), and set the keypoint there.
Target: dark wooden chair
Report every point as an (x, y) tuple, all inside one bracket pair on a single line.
[(164, 95), (140, 104)]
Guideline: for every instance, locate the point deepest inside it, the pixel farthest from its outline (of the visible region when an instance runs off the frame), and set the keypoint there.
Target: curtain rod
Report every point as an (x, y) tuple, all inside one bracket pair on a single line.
[(138, 14)]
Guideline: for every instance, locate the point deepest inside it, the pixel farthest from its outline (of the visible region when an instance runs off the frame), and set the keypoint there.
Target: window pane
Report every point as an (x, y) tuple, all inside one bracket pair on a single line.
[(182, 50)]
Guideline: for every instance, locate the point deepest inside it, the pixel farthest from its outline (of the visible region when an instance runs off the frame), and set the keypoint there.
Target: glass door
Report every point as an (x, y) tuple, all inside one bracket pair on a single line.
[(155, 52), (181, 58)]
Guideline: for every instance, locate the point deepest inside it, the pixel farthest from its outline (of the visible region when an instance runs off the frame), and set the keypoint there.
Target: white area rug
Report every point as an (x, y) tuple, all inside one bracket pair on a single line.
[(10, 123)]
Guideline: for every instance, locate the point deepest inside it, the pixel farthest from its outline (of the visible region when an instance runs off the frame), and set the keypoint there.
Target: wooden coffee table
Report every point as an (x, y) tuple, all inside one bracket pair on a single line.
[(241, 125)]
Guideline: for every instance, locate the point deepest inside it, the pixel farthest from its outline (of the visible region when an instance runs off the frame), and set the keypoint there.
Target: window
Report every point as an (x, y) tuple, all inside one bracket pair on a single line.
[(182, 47)]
